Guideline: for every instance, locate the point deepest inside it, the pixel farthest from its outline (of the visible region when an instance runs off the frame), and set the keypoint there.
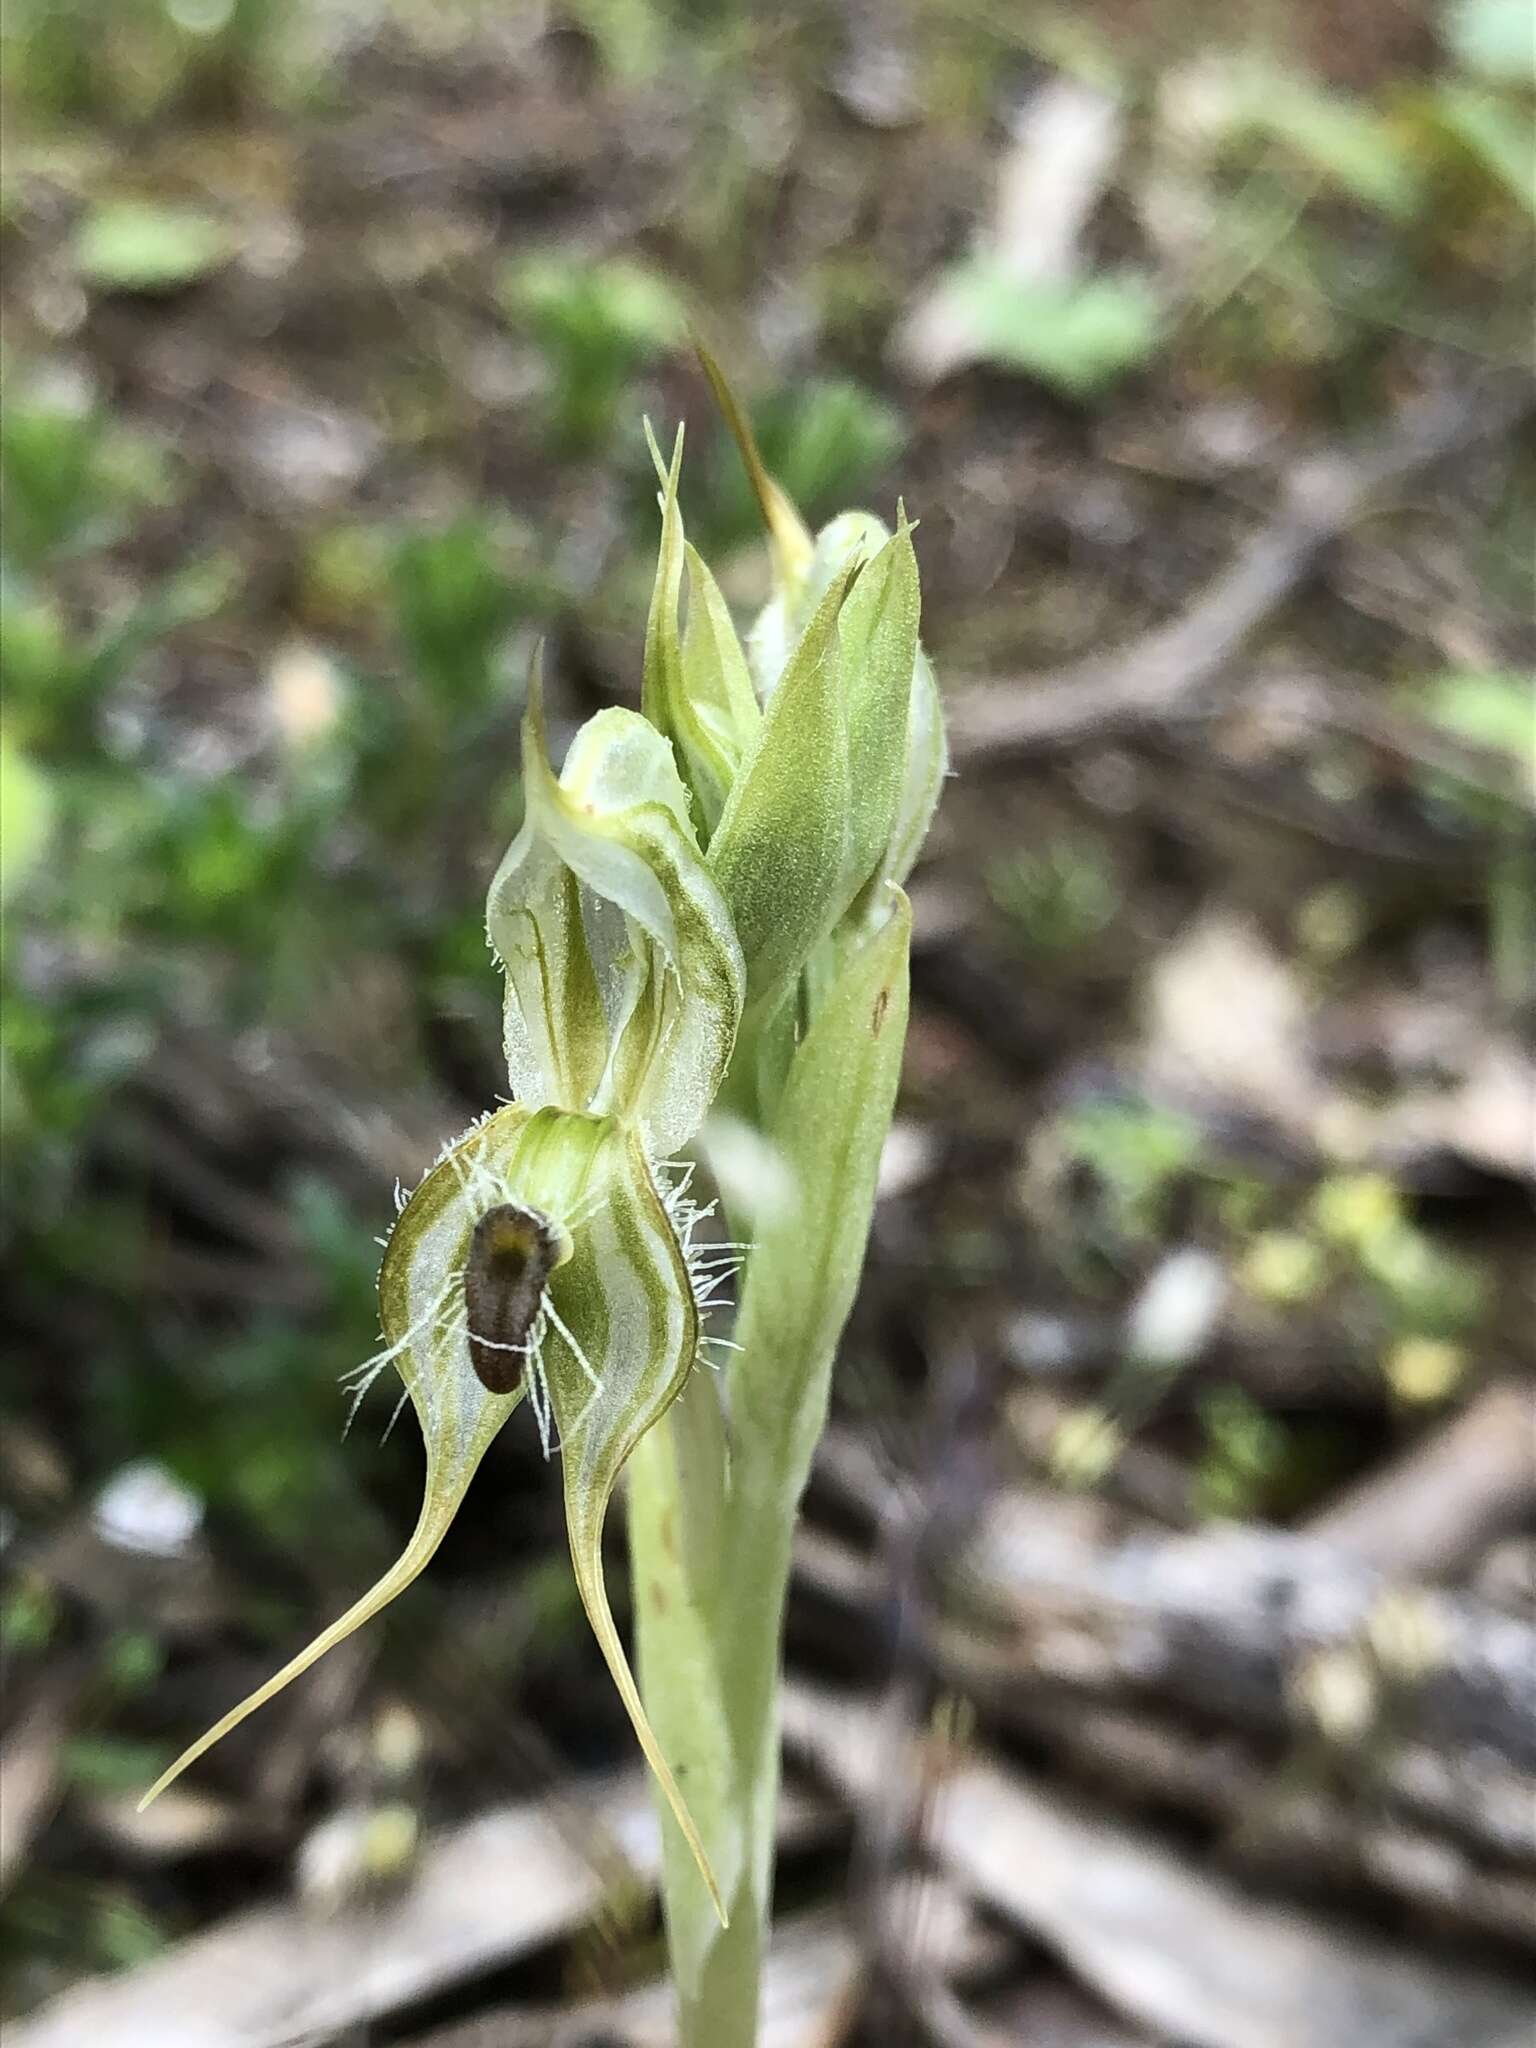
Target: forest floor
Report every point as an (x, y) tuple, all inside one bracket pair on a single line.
[(1162, 1655)]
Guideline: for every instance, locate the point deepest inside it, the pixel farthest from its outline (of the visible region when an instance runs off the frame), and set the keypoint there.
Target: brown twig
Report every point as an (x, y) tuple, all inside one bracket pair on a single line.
[(1161, 674), (1433, 1510)]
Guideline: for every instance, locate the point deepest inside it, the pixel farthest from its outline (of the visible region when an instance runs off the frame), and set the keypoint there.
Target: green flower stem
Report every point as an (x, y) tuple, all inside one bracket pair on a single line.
[(711, 1536), (709, 1670)]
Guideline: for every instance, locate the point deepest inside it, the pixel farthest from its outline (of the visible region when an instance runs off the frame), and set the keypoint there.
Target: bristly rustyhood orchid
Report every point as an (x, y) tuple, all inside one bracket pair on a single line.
[(702, 907)]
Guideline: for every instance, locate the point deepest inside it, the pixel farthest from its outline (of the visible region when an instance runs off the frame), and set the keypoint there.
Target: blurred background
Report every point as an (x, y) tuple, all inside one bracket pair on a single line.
[(1162, 1652)]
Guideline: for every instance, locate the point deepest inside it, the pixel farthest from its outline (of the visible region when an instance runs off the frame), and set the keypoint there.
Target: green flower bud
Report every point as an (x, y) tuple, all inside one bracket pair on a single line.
[(602, 1347), (924, 767), (894, 739), (780, 852), (800, 584), (882, 773), (624, 976), (845, 542), (835, 797)]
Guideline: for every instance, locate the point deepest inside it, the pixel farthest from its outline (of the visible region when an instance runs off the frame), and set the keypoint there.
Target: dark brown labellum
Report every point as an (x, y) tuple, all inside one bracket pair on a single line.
[(511, 1256)]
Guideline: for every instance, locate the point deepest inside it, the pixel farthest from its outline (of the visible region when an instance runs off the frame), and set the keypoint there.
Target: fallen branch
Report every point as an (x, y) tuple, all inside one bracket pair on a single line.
[(1435, 1509), (812, 1976), (1226, 1625), (1161, 674), (1189, 1956), (482, 1895), (1292, 1825)]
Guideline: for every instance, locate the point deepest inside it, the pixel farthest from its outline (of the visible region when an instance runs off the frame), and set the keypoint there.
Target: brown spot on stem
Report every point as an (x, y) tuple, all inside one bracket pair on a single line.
[(882, 1004)]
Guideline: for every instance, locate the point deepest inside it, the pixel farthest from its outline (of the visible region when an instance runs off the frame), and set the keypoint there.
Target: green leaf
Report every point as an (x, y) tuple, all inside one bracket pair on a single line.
[(924, 756), (716, 679), (877, 652), (787, 533), (1078, 338), (624, 976), (829, 1128), (131, 246), (676, 1517), (927, 764), (780, 852), (1490, 708), (27, 807), (614, 1339), (1497, 135), (1351, 145), (696, 690), (823, 439)]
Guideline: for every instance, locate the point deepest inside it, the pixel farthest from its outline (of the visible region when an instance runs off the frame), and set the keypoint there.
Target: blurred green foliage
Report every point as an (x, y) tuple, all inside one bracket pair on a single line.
[(455, 605), (596, 322), (130, 246), (29, 1616), (1138, 1152), (26, 816), (826, 440), (1491, 710), (71, 480), (142, 889), (1059, 896), (1495, 711), (1242, 1453), (68, 60), (1079, 338)]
